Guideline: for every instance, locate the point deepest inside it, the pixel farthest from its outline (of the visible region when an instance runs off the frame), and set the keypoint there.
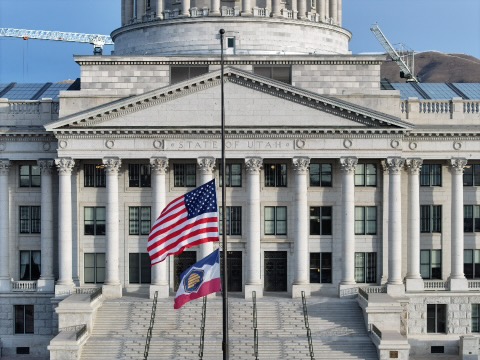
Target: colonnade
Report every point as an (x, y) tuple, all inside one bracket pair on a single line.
[(328, 11)]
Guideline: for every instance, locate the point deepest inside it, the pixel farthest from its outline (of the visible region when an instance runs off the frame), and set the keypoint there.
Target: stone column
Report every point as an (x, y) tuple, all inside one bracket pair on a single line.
[(348, 165), (327, 11), (140, 9), (395, 284), (301, 281), (339, 12), (160, 270), (253, 281), (302, 9), (385, 207), (276, 8), (4, 227), (185, 8), (159, 8), (294, 9), (123, 13), (320, 4), (214, 8), (246, 8), (65, 244), (414, 280), (46, 283), (112, 287), (333, 11), (206, 166), (458, 282)]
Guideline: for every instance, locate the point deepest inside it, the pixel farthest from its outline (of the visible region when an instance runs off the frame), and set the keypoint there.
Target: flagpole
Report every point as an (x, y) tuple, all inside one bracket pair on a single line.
[(224, 211)]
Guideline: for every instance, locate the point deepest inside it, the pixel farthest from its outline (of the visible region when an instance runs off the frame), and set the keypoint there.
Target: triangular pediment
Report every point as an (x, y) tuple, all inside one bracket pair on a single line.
[(251, 101)]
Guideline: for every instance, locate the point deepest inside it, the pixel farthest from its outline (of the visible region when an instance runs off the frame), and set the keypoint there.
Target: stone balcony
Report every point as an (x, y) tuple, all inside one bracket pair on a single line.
[(27, 113)]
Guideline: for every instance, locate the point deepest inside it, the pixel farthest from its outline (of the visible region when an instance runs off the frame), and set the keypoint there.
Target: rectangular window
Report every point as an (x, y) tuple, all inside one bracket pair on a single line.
[(321, 220), (366, 175), (94, 175), (234, 220), (436, 318), (279, 73), (139, 220), (275, 175), (275, 220), (431, 218), (471, 264), (30, 265), (182, 73), (233, 175), (185, 175), (30, 176), (94, 222), (139, 175), (471, 175), (321, 175), (475, 318), (30, 220), (365, 220), (321, 268), (366, 267), (431, 264), (431, 175), (471, 218), (24, 319), (139, 268), (94, 268)]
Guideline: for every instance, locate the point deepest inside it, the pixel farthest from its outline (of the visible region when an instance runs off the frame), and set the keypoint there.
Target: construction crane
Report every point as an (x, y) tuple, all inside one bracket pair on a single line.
[(98, 41), (405, 71)]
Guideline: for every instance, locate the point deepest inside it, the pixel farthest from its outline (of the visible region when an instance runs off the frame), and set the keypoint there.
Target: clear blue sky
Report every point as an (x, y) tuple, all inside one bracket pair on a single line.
[(451, 26)]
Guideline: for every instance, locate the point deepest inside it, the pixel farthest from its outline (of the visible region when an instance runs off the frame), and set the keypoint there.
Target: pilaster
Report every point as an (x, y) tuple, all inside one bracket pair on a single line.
[(4, 226)]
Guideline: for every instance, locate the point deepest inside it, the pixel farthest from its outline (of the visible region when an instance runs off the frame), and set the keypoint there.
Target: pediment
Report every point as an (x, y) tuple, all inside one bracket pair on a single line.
[(251, 102)]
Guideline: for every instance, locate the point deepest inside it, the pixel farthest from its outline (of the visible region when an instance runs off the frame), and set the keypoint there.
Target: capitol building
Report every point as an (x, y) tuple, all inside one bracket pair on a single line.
[(338, 184)]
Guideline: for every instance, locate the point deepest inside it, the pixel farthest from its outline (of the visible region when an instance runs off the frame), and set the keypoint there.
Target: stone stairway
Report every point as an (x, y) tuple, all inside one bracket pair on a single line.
[(337, 329)]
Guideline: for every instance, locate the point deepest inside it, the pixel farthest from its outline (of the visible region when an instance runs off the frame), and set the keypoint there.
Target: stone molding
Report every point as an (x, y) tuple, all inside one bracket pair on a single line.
[(301, 164), (348, 164), (4, 166), (206, 165), (414, 165), (253, 165), (159, 165), (65, 165), (112, 165)]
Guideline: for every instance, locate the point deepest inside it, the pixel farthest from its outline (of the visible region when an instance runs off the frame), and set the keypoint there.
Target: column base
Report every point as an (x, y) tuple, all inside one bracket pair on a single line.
[(113, 291), (396, 290), (347, 289), (414, 284), (5, 285), (45, 285), (246, 14), (163, 291), (62, 290), (298, 288), (460, 284), (252, 287)]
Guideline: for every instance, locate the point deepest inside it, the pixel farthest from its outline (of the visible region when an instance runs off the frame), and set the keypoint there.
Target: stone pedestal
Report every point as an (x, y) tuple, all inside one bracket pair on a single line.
[(460, 284), (5, 285), (62, 290), (258, 288), (396, 290), (44, 285), (297, 290), (414, 285), (163, 291), (113, 291)]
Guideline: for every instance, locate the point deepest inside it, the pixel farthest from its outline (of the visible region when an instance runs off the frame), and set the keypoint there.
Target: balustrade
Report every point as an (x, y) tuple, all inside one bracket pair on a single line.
[(435, 285), (24, 286)]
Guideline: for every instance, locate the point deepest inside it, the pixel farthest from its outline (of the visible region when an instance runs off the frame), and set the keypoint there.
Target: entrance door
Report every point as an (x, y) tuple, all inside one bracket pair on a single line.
[(234, 270), (181, 263), (275, 271)]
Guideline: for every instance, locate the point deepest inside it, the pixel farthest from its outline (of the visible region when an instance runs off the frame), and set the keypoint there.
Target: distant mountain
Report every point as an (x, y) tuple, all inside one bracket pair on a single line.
[(436, 67)]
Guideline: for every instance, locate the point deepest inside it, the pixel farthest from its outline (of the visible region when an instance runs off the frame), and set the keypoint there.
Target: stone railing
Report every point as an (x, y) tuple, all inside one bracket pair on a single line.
[(473, 284), (28, 112), (261, 12), (288, 14), (435, 285), (199, 12), (230, 11), (425, 111), (24, 286)]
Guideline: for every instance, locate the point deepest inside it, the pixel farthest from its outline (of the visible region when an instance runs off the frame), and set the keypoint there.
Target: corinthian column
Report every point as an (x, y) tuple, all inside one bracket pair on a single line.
[(414, 280), (348, 165), (395, 283), (246, 8), (339, 12), (214, 8), (140, 9), (333, 11), (185, 7), (4, 228), (302, 9), (65, 282), (458, 282), (112, 287), (206, 166), (301, 280), (276, 8), (253, 282), (159, 8), (46, 281)]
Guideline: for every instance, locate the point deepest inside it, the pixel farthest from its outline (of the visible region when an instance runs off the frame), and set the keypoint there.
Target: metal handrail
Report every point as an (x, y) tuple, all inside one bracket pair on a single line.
[(307, 326), (255, 329), (97, 293), (80, 332), (150, 328), (202, 329)]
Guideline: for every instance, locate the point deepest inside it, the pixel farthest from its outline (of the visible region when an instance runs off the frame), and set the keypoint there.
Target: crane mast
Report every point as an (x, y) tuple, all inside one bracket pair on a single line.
[(98, 41), (404, 68)]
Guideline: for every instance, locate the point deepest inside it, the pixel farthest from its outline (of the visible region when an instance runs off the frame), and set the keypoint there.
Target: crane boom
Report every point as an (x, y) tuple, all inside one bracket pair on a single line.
[(393, 53), (98, 41)]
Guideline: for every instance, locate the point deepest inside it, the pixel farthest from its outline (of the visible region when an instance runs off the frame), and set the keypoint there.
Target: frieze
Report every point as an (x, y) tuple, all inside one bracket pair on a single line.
[(263, 145)]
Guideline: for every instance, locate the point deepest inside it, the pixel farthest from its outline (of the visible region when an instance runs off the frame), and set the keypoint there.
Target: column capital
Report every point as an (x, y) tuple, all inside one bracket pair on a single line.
[(65, 165), (348, 164), (159, 164), (457, 165), (253, 165), (414, 165), (112, 165), (4, 166), (46, 166), (394, 164), (206, 165), (301, 164)]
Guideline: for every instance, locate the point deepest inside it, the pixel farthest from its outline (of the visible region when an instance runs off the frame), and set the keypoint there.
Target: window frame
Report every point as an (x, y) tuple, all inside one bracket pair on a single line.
[(275, 175), (30, 221), (96, 268), (325, 176), (431, 175), (30, 180), (276, 221), (366, 175), (272, 72), (438, 327), (230, 175), (184, 179), (431, 219), (26, 323), (322, 219), (475, 318), (94, 176), (204, 69), (471, 218), (366, 272), (474, 255), (234, 220), (434, 268), (142, 266), (324, 267), (142, 220), (363, 224), (96, 222), (31, 276), (139, 175)]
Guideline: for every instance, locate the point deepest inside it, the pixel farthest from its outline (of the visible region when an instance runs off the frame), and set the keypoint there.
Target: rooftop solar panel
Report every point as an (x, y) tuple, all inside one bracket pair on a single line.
[(472, 90), (406, 90)]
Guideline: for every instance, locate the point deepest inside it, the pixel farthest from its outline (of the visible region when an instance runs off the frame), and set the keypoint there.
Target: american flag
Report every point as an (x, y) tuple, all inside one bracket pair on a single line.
[(190, 220)]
